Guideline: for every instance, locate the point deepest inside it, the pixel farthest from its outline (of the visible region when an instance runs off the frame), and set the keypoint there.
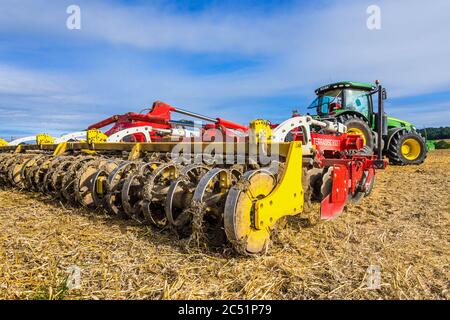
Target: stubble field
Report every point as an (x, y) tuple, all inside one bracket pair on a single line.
[(402, 229)]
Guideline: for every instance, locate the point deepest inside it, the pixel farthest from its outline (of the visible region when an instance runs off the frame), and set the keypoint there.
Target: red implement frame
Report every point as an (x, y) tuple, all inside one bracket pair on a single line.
[(159, 117), (350, 173)]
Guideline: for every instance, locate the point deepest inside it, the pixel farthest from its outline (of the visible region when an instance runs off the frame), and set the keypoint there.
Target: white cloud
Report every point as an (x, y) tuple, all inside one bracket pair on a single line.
[(434, 114), (37, 101), (23, 82), (305, 45), (302, 49)]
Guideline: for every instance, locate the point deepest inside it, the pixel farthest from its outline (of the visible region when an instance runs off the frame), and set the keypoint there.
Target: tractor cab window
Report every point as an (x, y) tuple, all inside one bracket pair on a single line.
[(356, 100), (323, 101)]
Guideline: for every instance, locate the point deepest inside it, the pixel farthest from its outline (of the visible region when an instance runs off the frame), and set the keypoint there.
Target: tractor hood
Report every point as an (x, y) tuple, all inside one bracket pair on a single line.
[(395, 122)]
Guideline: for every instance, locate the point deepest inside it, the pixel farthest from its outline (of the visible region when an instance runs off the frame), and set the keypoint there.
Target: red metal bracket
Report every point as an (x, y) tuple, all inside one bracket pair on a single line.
[(334, 203)]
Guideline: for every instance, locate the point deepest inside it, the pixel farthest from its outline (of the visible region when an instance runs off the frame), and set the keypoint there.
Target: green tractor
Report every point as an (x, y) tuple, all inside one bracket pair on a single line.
[(351, 103)]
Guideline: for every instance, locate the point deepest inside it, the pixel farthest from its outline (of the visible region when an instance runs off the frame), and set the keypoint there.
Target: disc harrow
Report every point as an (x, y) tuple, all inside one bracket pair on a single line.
[(214, 193)]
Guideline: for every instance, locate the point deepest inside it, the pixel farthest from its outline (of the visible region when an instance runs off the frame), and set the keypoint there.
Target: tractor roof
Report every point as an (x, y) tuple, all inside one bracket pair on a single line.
[(346, 84)]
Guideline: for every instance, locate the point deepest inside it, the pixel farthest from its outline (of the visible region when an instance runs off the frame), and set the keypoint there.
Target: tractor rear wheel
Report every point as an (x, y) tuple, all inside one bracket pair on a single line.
[(357, 125), (407, 148)]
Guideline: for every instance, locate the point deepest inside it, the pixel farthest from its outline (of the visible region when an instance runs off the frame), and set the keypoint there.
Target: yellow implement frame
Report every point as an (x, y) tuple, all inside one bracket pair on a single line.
[(287, 197), (259, 200), (260, 131), (44, 138), (95, 136)]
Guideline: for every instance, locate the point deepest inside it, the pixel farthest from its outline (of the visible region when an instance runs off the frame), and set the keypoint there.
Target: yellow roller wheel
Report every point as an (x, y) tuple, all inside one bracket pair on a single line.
[(239, 213), (410, 149), (357, 131)]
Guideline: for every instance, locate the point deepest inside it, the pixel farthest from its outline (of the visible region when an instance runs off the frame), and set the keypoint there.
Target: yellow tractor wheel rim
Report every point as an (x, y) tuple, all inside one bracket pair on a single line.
[(357, 131), (411, 149)]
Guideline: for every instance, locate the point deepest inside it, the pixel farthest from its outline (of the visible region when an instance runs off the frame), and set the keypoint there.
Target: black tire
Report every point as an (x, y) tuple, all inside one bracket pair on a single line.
[(394, 151), (354, 121)]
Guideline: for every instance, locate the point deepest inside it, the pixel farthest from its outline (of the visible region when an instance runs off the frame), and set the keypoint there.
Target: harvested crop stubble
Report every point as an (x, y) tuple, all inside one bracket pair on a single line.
[(403, 228)]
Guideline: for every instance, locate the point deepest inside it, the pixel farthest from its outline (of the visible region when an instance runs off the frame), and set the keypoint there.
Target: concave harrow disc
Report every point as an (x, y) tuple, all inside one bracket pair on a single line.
[(114, 184), (98, 183), (208, 204), (155, 191), (133, 187), (69, 180), (239, 219), (179, 197)]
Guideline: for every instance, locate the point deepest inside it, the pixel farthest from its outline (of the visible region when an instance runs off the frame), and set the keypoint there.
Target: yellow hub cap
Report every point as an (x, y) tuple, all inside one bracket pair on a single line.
[(411, 149), (357, 131)]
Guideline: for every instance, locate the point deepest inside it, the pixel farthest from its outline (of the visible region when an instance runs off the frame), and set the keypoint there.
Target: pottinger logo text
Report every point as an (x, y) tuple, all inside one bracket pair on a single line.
[(326, 142)]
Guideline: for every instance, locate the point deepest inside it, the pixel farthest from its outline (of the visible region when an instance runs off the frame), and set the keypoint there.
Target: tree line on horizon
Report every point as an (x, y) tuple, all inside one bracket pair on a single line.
[(436, 133), (436, 137)]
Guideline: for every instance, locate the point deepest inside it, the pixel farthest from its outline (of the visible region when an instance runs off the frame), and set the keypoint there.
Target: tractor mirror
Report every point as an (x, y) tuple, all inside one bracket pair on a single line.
[(384, 94), (358, 102)]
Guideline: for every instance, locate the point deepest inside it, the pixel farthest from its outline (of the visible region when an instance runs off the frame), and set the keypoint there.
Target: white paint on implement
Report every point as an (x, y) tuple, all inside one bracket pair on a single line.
[(74, 136), (22, 140), (67, 137), (120, 135), (145, 130), (280, 133)]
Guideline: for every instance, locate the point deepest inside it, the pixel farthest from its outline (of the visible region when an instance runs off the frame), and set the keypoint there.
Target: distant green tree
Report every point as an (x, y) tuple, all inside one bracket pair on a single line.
[(436, 133)]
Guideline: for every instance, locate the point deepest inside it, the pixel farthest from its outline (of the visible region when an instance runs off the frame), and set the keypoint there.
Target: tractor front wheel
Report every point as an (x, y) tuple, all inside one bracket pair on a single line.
[(407, 148)]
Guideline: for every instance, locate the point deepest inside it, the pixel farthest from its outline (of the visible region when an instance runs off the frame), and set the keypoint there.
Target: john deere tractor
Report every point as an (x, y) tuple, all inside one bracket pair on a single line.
[(351, 103)]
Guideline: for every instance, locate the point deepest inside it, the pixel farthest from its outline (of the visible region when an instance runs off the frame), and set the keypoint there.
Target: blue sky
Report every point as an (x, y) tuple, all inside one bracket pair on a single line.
[(235, 59)]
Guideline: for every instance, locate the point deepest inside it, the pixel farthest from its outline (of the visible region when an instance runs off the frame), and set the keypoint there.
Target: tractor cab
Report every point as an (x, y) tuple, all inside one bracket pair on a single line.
[(340, 97), (351, 103)]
